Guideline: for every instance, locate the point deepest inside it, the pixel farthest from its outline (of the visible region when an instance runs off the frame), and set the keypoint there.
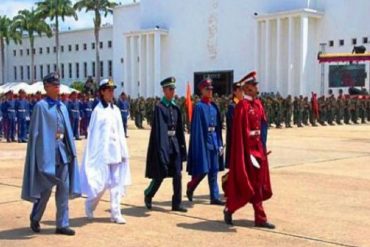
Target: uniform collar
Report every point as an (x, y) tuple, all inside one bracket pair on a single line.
[(106, 104), (52, 102), (167, 102), (247, 97), (206, 100)]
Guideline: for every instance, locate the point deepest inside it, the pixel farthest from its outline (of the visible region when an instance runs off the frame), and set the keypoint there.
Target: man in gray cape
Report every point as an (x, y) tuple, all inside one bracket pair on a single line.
[(50, 159)]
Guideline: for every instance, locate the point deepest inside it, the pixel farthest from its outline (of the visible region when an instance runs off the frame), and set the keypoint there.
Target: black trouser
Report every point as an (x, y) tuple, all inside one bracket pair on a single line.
[(155, 184)]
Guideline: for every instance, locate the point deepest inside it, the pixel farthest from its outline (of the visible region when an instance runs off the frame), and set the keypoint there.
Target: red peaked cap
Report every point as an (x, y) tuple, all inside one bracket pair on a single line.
[(250, 78), (206, 83)]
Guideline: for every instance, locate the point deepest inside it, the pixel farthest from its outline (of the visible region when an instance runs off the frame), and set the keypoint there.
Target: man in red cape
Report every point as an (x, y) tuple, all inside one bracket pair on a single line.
[(248, 179)]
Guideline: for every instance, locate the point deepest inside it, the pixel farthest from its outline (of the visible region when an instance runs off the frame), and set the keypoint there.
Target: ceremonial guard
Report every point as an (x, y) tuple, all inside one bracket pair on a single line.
[(167, 147), (105, 163), (238, 95), (9, 117), (75, 115), (51, 159), (248, 178), (22, 108), (206, 146), (124, 107)]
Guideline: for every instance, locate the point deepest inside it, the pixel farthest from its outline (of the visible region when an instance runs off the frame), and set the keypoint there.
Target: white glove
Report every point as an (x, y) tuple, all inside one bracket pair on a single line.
[(221, 151)]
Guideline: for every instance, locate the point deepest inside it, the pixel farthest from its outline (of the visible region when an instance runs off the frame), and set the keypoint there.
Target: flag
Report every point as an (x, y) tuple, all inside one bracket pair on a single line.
[(188, 102)]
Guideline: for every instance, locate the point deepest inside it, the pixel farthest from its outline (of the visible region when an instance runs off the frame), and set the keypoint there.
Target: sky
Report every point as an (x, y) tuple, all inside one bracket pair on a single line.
[(10, 8)]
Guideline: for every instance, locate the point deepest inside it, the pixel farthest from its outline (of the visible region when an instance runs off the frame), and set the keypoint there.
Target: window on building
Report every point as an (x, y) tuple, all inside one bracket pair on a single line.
[(93, 46), (331, 43), (85, 69), (22, 73), (110, 69), (34, 72), (62, 70), (77, 70), (101, 45), (77, 47), (365, 40), (101, 69), (40, 50), (15, 73), (28, 72), (109, 44), (85, 46), (14, 53), (69, 47), (62, 48), (21, 52), (93, 69), (341, 42), (55, 49), (41, 71), (70, 71), (354, 41), (34, 51), (55, 67), (28, 52), (48, 68), (48, 50)]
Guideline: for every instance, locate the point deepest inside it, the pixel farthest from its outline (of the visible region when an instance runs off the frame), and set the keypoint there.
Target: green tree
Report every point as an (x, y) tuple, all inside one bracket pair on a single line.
[(55, 9), (99, 8), (31, 23), (6, 35)]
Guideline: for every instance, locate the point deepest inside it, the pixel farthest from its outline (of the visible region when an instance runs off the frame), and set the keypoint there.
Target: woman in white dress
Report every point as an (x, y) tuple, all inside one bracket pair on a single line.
[(105, 163)]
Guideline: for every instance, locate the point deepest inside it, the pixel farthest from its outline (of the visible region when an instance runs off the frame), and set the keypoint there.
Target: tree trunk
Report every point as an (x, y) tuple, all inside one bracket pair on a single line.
[(97, 47), (57, 41), (2, 60)]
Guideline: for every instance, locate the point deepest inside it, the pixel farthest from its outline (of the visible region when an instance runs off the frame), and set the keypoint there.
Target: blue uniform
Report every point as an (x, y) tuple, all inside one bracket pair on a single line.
[(23, 114), (124, 107), (204, 148), (10, 118), (86, 111), (75, 116), (50, 160)]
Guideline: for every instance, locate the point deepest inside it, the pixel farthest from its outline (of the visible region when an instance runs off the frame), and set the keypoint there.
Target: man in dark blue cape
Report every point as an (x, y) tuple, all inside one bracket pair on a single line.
[(206, 146), (50, 159), (167, 147)]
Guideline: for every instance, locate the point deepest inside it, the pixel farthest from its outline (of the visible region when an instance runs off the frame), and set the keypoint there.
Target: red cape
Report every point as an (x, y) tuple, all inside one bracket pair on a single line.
[(243, 178)]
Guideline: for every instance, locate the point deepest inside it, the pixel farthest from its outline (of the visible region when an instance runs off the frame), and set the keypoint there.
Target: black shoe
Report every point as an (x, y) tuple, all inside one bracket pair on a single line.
[(179, 209), (265, 225), (189, 194), (35, 226), (65, 231), (228, 217), (217, 202), (148, 202)]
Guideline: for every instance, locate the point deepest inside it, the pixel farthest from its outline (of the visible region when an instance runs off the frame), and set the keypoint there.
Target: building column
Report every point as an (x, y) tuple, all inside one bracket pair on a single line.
[(140, 60), (257, 47), (266, 81), (290, 56), (157, 62), (304, 53), (278, 55), (126, 85), (148, 81)]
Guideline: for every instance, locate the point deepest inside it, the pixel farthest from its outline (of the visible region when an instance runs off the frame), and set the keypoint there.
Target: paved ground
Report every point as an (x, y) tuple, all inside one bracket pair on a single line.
[(321, 183)]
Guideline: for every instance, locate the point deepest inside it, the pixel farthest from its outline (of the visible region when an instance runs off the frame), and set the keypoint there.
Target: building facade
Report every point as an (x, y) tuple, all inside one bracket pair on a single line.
[(223, 40)]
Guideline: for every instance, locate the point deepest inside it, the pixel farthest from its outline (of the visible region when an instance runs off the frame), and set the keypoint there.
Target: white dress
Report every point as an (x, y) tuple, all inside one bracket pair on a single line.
[(105, 164)]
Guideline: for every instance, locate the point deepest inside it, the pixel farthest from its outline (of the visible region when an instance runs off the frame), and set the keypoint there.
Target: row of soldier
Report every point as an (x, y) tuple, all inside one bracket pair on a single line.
[(16, 109)]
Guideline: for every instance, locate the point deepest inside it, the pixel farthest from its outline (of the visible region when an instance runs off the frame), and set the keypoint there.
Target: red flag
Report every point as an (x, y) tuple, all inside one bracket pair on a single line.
[(188, 102)]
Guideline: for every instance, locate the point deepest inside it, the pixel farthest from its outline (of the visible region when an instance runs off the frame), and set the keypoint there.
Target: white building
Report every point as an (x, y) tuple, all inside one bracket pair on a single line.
[(77, 56), (224, 40)]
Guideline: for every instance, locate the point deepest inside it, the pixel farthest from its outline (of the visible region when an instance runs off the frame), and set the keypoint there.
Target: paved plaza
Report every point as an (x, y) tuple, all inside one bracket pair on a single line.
[(321, 185)]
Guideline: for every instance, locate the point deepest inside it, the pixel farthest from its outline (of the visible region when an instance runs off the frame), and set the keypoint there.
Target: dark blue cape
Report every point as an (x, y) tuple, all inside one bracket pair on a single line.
[(198, 160), (39, 170)]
